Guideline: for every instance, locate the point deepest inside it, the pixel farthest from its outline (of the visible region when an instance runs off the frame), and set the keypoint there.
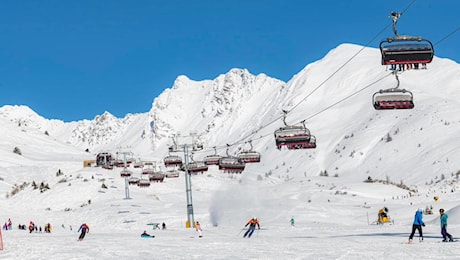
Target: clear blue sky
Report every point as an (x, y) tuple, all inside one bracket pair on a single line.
[(73, 60)]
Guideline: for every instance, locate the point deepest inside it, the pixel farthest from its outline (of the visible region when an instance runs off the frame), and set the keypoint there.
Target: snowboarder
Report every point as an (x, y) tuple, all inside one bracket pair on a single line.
[(443, 219), (146, 235), (417, 225), (84, 229), (252, 226), (198, 229)]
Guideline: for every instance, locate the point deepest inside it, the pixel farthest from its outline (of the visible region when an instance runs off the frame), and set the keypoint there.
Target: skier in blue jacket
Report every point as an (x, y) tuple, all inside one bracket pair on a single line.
[(417, 225)]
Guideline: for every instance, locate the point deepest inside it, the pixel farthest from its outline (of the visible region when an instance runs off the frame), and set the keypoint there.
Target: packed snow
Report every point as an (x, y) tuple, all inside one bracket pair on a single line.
[(366, 160)]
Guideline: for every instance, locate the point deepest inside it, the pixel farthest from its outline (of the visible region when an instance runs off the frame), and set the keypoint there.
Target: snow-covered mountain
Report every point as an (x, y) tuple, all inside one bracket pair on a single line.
[(237, 107), (414, 149)]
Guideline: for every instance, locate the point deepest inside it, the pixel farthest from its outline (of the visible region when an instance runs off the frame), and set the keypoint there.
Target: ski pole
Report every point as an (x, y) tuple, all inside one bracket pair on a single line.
[(240, 231)]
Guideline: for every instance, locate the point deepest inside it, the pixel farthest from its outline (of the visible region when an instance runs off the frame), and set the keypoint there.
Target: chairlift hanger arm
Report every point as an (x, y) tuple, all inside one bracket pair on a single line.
[(395, 16)]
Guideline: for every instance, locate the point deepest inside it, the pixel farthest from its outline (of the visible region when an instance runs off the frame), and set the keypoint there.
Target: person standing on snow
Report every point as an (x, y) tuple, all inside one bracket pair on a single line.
[(417, 225), (198, 229), (443, 219), (292, 221), (252, 226), (84, 229)]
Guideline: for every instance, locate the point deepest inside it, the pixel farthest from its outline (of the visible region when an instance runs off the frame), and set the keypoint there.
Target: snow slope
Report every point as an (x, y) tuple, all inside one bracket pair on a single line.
[(236, 107)]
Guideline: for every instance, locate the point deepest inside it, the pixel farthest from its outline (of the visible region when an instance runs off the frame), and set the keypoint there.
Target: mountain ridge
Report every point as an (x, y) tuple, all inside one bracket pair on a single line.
[(237, 107)]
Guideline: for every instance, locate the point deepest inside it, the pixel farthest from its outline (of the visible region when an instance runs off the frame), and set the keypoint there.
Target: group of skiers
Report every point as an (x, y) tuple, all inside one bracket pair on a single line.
[(418, 224), (33, 227), (8, 225), (254, 222)]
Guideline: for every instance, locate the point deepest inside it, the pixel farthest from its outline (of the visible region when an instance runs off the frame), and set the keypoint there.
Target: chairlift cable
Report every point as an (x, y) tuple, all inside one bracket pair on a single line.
[(241, 140), (447, 36), (336, 103), (320, 85), (347, 97), (349, 60), (409, 6)]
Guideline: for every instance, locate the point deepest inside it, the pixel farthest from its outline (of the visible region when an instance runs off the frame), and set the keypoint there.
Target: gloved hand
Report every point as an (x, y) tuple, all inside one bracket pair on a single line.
[(423, 224)]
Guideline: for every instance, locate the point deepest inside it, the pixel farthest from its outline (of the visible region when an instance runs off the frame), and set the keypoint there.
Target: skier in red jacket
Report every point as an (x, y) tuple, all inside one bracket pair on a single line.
[(84, 229)]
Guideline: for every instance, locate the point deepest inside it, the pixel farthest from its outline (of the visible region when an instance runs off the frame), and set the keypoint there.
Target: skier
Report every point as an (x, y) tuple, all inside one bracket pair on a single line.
[(417, 225), (444, 233), (198, 229), (84, 229), (292, 221), (252, 226), (146, 235), (31, 227)]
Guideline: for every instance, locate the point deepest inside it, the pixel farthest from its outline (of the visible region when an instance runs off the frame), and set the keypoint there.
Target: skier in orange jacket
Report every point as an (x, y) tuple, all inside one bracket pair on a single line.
[(252, 223)]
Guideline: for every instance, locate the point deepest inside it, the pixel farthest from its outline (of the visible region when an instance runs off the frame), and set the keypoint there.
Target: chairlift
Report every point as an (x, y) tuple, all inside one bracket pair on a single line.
[(393, 98), (403, 49), (311, 144), (133, 180), (249, 156), (172, 160), (231, 164), (195, 167), (125, 173), (172, 174), (156, 177), (130, 160), (212, 159), (292, 136), (138, 164), (148, 168), (119, 163), (144, 183)]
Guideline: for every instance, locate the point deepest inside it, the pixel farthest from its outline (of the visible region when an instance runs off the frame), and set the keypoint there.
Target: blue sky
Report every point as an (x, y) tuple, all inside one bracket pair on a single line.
[(73, 60)]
